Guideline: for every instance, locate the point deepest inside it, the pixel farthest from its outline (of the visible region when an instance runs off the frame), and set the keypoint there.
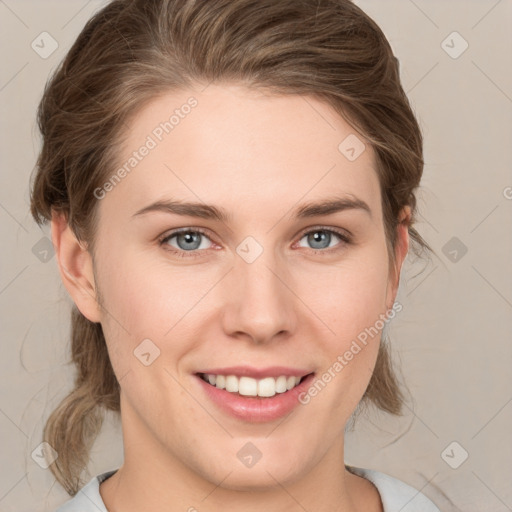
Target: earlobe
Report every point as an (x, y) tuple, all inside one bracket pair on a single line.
[(75, 267), (401, 249), (403, 237)]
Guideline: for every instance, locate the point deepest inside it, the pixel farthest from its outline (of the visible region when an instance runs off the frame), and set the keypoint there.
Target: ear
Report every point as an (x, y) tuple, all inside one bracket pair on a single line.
[(75, 267), (401, 249)]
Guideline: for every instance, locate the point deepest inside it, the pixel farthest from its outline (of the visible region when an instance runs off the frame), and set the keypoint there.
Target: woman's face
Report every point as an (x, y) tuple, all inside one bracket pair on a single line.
[(275, 287)]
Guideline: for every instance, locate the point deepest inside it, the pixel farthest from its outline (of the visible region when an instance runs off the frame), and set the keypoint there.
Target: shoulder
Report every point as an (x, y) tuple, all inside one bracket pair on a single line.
[(88, 498), (395, 494)]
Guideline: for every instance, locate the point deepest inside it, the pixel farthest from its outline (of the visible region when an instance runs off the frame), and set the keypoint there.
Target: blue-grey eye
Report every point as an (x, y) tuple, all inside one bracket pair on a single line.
[(188, 240), (320, 238)]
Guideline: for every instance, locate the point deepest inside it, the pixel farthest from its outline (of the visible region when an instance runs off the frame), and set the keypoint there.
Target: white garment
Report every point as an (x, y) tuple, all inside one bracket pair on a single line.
[(396, 496)]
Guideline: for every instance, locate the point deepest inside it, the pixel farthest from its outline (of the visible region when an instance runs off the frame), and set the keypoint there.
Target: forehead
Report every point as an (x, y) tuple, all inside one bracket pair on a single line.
[(242, 148)]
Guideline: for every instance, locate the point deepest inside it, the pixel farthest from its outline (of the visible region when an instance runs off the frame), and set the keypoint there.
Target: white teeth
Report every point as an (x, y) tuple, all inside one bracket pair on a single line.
[(231, 384), (247, 386), (290, 382), (267, 386), (220, 381), (281, 384)]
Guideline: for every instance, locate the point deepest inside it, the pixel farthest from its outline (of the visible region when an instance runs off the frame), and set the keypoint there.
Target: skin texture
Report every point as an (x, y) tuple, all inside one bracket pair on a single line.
[(258, 156)]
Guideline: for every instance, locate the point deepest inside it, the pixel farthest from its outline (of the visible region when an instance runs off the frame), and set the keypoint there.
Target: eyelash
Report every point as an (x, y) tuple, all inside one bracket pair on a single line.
[(345, 238)]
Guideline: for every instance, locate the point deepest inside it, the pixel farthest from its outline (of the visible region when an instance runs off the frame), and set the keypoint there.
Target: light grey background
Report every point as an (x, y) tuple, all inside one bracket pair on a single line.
[(453, 337)]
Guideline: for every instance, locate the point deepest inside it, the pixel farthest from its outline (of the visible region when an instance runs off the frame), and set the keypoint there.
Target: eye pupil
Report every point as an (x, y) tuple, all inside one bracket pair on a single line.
[(190, 237), (319, 237)]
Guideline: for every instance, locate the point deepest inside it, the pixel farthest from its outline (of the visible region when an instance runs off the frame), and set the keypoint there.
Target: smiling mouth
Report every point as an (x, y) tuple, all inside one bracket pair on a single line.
[(249, 387)]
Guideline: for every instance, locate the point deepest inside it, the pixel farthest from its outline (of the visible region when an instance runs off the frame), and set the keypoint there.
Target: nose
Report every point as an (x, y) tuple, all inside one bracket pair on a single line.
[(260, 305)]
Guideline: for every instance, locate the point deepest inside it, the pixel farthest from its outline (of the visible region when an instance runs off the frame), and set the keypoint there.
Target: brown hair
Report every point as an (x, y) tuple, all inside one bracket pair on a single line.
[(132, 50)]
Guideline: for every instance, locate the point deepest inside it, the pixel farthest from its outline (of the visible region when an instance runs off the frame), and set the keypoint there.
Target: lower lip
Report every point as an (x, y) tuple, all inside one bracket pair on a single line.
[(256, 409)]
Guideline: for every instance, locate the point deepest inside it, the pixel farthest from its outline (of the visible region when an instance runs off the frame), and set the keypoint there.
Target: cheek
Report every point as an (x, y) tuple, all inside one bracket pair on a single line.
[(149, 295), (350, 297), (352, 306), (147, 299)]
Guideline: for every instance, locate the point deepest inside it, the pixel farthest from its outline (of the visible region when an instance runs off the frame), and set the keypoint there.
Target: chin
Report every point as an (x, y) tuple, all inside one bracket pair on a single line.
[(258, 479), (262, 475)]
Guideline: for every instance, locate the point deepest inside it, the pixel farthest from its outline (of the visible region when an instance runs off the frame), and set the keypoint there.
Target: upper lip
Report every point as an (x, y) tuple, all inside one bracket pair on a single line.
[(258, 373)]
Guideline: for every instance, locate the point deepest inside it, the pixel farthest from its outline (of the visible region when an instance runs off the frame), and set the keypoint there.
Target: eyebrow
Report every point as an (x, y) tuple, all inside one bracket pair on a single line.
[(326, 206)]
